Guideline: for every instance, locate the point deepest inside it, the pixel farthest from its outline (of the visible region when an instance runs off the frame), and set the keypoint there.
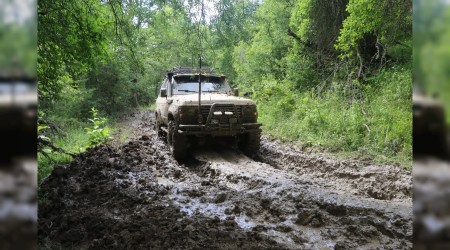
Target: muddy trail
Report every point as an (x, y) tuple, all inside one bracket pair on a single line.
[(134, 195)]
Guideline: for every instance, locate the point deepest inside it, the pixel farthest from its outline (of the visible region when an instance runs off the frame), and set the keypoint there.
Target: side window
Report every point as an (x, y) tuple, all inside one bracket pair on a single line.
[(163, 85), (168, 87)]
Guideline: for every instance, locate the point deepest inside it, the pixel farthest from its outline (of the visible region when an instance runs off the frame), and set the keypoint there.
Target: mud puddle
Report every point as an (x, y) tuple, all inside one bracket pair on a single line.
[(135, 195)]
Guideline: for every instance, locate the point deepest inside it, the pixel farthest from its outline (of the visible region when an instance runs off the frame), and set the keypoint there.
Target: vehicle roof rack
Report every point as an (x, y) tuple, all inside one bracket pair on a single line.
[(187, 70)]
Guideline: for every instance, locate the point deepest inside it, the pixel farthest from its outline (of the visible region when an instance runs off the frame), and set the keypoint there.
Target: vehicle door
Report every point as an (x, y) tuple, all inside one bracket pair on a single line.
[(162, 104)]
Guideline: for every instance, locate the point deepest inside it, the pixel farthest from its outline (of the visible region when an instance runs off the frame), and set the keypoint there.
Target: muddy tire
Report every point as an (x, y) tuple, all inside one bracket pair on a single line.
[(177, 142), (442, 146), (158, 129), (249, 143)]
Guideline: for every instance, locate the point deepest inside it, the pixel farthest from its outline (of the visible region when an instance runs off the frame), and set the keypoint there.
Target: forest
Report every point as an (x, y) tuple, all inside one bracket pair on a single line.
[(334, 76), (432, 50)]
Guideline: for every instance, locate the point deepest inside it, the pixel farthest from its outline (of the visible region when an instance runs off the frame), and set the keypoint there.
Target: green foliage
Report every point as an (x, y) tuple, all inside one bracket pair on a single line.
[(74, 140), (71, 39), (111, 87), (318, 23), (47, 162), (98, 132), (72, 136), (375, 123), (18, 47), (309, 63), (388, 21), (41, 128), (432, 50), (264, 55)]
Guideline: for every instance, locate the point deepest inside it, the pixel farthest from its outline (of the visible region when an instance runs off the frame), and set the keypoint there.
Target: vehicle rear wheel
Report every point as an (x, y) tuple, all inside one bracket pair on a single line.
[(177, 142), (442, 146), (249, 143)]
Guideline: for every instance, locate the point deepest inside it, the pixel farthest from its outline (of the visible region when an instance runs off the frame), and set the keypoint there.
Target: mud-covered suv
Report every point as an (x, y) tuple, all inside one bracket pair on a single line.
[(18, 109), (190, 117), (429, 125)]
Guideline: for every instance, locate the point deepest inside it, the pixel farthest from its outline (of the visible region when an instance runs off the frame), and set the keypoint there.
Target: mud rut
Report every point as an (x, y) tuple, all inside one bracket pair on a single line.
[(135, 195)]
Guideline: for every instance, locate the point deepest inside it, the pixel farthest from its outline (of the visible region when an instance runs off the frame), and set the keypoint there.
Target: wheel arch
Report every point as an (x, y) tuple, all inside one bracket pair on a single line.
[(170, 117)]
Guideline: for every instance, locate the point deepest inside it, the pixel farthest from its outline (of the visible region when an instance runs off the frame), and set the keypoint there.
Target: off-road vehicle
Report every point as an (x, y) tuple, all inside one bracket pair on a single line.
[(429, 125), (193, 107), (18, 109)]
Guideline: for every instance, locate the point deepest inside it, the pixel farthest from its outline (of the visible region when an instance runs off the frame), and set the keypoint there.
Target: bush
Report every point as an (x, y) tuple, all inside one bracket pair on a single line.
[(73, 137), (374, 120), (98, 132)]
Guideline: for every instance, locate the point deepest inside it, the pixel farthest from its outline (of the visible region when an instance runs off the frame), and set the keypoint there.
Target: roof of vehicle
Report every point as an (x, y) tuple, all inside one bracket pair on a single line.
[(191, 70), (203, 74), (425, 100), (207, 71)]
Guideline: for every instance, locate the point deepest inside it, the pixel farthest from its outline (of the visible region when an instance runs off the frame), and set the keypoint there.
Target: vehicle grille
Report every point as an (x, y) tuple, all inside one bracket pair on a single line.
[(205, 112), (205, 109)]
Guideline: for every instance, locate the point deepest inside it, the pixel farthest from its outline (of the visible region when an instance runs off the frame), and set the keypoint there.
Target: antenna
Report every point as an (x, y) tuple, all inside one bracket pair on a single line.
[(200, 36), (200, 118)]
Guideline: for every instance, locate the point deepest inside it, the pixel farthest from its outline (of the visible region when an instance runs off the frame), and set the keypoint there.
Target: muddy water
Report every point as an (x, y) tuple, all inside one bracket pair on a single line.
[(135, 195)]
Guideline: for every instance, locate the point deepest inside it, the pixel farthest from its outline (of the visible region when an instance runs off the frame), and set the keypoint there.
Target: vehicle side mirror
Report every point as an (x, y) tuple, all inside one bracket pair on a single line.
[(163, 92), (236, 92), (248, 93)]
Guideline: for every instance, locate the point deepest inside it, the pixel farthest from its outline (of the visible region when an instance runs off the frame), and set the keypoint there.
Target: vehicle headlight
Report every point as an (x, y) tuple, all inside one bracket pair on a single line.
[(187, 112), (249, 111)]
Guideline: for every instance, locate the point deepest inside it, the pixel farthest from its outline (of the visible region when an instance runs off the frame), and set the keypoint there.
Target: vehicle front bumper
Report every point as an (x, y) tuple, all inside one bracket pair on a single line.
[(219, 129)]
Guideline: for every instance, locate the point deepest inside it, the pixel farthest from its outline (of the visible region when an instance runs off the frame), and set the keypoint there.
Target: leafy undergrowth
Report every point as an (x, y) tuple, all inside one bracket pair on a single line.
[(370, 121), (74, 138)]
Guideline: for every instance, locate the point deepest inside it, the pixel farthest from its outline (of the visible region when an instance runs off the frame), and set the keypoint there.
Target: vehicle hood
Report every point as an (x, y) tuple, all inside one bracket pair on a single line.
[(208, 99)]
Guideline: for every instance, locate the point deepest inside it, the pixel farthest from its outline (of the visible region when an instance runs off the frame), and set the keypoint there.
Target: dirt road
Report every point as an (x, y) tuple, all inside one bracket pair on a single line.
[(135, 195)]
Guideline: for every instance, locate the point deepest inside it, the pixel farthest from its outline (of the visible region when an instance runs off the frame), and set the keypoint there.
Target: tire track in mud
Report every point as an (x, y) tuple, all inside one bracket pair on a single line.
[(385, 182), (299, 211), (136, 195)]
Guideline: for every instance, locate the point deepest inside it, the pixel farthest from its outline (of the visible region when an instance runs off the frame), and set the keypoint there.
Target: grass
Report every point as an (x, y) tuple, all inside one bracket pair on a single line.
[(125, 134), (151, 106), (368, 121), (74, 140), (77, 136)]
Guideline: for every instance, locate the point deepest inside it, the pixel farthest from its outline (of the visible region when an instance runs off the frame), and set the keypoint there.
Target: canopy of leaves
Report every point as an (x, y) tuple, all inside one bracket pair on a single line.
[(382, 22), (431, 48)]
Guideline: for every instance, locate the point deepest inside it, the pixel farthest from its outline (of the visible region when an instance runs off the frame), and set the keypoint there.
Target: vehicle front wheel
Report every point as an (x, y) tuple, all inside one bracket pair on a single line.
[(177, 142), (442, 147), (249, 143), (158, 129)]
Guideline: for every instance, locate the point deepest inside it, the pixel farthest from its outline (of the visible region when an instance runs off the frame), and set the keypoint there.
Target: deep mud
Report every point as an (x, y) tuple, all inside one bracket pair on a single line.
[(18, 203), (431, 203), (379, 182), (135, 195)]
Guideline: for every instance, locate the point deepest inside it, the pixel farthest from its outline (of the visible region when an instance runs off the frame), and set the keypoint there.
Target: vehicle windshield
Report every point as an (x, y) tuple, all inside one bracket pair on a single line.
[(188, 84), (18, 92), (9, 88)]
